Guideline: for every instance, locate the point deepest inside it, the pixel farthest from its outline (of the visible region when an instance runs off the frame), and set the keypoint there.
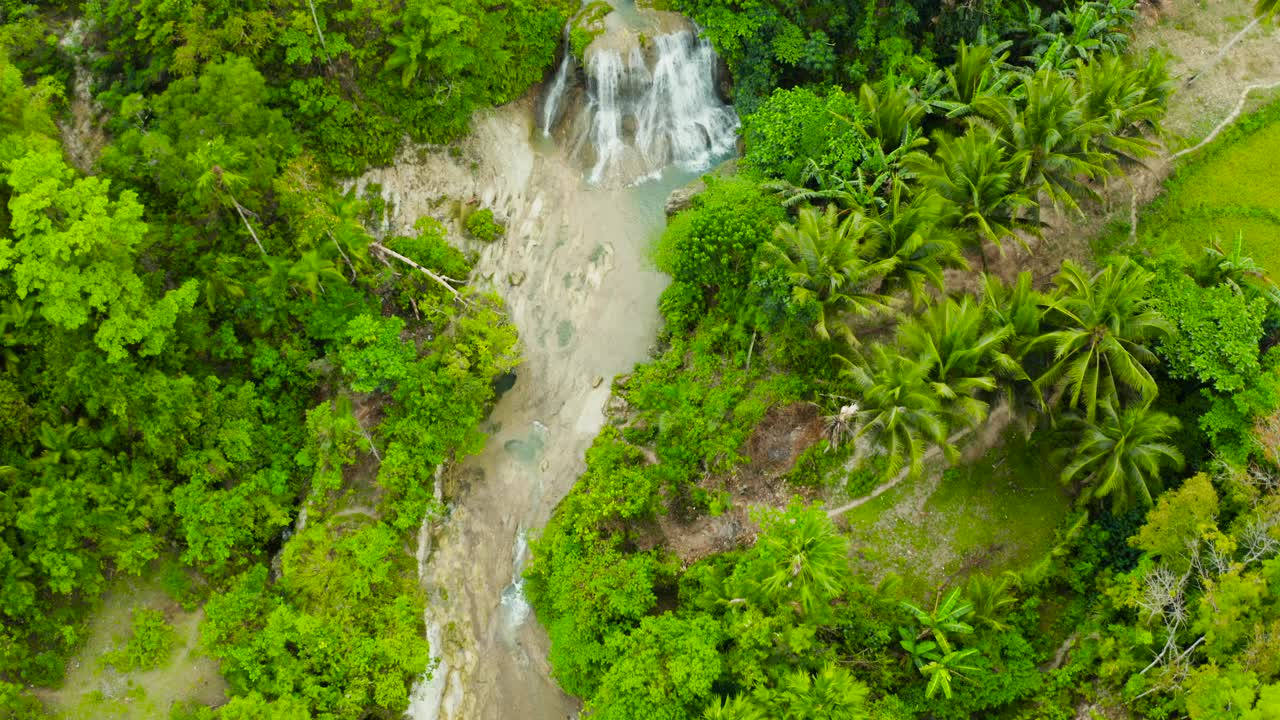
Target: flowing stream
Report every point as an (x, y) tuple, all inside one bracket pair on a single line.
[(573, 269)]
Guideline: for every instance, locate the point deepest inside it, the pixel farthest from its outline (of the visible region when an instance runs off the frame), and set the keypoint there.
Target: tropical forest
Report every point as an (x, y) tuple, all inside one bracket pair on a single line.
[(639, 359)]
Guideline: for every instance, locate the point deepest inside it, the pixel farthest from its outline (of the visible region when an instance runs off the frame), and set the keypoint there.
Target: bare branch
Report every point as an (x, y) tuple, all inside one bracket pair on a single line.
[(240, 210), (1258, 540), (442, 280)]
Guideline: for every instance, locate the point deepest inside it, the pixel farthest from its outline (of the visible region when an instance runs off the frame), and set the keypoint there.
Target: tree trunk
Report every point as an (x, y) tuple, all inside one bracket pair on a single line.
[(240, 210), (320, 33), (443, 281)]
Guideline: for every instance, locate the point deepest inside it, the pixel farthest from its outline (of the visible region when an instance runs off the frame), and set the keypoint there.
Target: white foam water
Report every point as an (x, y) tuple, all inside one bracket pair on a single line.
[(555, 94), (646, 107)]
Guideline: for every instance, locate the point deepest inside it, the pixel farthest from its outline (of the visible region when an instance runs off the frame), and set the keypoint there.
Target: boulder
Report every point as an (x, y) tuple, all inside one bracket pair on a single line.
[(681, 199)]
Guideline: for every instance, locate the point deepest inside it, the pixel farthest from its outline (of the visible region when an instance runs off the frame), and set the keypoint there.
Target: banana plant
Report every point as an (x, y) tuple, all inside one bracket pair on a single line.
[(947, 616), (943, 670)]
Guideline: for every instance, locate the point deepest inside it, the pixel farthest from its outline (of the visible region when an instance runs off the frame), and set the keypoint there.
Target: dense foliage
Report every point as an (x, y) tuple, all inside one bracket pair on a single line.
[(353, 78), (201, 339)]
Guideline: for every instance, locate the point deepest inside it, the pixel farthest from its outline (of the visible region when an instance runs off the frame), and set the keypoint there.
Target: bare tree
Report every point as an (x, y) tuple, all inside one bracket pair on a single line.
[(1258, 538)]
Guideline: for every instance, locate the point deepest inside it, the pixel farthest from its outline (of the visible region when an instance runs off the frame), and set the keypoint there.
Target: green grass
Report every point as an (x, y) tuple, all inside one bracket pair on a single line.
[(1230, 190), (996, 513)]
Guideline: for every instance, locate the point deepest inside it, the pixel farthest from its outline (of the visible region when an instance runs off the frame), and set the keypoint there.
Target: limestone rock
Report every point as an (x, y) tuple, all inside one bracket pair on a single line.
[(681, 199)]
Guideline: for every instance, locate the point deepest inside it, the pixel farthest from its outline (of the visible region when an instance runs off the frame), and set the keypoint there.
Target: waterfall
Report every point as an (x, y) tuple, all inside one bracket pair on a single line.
[(648, 104), (555, 94), (682, 119), (606, 71)]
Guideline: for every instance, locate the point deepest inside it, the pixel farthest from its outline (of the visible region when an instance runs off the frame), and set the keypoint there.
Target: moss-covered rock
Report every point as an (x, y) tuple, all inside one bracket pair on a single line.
[(586, 26)]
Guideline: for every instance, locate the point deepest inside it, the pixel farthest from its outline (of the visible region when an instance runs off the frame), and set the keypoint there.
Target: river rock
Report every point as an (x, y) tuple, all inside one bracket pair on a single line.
[(516, 279), (597, 381), (617, 406), (681, 199)]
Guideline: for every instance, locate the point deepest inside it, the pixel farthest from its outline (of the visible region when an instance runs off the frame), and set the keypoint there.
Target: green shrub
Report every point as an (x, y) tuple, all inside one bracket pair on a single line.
[(798, 125), (1216, 331), (681, 305), (482, 225), (151, 640), (713, 244)]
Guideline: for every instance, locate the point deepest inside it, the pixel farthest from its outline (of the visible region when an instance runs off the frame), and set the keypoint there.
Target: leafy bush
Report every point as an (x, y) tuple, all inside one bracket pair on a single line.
[(713, 244), (342, 632), (1216, 332), (150, 643), (482, 226), (799, 126)]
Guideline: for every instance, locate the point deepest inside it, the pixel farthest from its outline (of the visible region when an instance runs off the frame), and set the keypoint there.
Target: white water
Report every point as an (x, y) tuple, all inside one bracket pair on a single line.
[(555, 95), (607, 71), (650, 103), (682, 119)]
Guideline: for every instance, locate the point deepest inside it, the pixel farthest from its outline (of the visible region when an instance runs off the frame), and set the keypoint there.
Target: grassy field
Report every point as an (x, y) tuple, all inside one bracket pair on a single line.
[(1233, 189), (995, 513)]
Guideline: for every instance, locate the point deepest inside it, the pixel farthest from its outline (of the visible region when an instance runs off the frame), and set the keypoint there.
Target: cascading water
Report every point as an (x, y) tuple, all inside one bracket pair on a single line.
[(555, 95), (649, 103), (682, 119), (513, 601), (607, 71)]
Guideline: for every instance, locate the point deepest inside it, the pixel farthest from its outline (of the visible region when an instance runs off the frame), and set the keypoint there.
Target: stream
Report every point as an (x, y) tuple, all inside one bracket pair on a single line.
[(574, 271)]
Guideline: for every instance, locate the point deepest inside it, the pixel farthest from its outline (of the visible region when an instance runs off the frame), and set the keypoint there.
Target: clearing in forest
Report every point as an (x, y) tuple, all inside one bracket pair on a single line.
[(94, 688)]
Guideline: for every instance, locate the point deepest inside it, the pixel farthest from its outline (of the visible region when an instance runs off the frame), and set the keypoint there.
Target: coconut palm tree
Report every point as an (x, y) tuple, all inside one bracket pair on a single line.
[(1105, 326), (1049, 131), (311, 270), (804, 560), (892, 116), (975, 77), (1126, 100), (991, 596), (1018, 307), (978, 178), (219, 183), (830, 262), (818, 185), (1122, 454), (223, 279), (963, 353), (1089, 29), (910, 228), (1232, 267), (898, 410), (831, 693)]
